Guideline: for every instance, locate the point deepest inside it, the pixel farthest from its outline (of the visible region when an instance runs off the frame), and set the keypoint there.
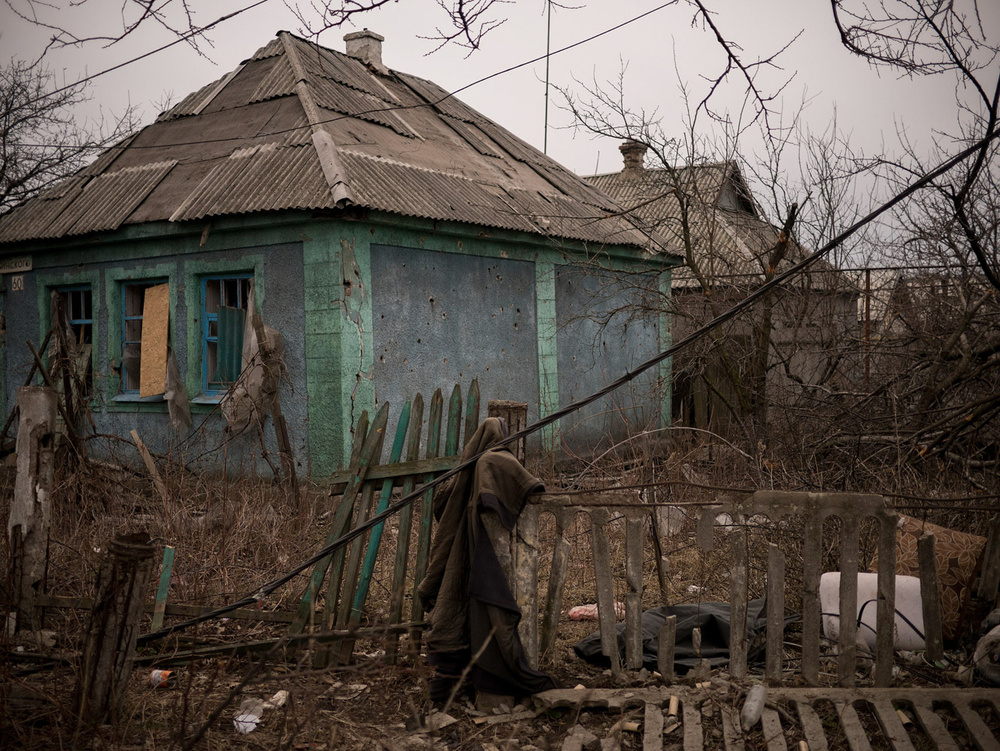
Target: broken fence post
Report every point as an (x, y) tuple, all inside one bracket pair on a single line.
[(666, 642), (114, 625), (930, 598), (515, 414), (31, 508)]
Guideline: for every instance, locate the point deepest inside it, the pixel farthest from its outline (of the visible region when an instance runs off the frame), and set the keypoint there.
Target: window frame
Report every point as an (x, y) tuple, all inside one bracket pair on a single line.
[(215, 389), (74, 322), (123, 285)]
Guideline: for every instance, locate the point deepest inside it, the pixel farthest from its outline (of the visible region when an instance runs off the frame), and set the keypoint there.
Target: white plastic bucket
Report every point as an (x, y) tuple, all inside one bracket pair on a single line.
[(909, 621)]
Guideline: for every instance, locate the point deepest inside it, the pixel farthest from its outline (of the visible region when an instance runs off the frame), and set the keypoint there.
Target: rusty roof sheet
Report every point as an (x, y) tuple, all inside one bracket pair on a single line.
[(396, 143)]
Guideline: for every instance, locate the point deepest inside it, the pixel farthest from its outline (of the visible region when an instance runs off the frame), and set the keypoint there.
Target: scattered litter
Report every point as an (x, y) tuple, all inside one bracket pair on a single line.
[(725, 522), (694, 589), (672, 707), (589, 612), (438, 720), (251, 710), (162, 679), (629, 726), (753, 707)]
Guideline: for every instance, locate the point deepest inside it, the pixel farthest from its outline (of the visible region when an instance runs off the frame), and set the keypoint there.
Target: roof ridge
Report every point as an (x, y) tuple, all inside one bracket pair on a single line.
[(326, 149)]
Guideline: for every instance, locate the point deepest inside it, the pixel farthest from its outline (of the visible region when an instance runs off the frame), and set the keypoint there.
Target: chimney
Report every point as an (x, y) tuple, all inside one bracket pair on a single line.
[(634, 153), (366, 46)]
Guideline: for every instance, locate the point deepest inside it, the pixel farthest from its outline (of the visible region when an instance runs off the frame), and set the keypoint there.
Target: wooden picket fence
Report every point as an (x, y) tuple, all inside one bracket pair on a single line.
[(367, 490)]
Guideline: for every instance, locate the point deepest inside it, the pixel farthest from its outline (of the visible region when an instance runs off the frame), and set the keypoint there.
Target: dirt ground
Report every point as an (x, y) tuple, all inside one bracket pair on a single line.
[(230, 537)]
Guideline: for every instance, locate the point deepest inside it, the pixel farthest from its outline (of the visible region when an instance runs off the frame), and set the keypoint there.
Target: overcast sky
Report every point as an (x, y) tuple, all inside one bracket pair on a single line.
[(657, 50)]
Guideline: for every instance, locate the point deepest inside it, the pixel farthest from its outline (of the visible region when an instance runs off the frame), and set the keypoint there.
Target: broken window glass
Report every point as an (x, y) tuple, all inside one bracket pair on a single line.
[(224, 303)]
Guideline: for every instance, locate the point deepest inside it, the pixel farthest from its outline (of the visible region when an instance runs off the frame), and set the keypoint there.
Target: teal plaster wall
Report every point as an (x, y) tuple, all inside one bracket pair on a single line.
[(314, 283)]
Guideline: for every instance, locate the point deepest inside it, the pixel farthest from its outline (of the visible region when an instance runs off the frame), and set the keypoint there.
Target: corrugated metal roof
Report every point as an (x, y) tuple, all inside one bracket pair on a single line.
[(261, 178), (108, 199), (403, 145), (731, 245)]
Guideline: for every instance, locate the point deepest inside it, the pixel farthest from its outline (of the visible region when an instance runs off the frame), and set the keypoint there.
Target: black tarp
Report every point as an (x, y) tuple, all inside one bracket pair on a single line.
[(711, 617)]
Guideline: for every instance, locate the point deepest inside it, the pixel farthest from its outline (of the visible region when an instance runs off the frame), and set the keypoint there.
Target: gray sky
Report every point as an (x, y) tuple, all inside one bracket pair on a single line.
[(869, 107)]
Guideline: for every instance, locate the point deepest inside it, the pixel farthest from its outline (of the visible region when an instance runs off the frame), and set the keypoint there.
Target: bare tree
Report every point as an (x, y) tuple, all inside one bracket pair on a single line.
[(40, 141), (462, 22)]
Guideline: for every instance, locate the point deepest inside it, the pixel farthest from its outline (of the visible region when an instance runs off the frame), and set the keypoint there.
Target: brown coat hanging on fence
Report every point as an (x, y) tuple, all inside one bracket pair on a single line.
[(465, 589)]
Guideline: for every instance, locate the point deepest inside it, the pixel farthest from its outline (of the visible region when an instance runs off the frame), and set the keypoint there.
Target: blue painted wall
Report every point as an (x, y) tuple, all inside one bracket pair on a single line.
[(607, 323), (279, 272), (445, 318), (372, 308)]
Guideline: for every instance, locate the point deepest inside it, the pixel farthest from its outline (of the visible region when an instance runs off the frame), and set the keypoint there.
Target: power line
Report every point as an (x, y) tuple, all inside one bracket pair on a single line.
[(388, 108), (182, 38)]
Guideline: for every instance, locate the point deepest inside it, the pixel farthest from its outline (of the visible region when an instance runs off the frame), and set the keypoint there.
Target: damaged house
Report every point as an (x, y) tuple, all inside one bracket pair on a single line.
[(782, 349), (396, 240)]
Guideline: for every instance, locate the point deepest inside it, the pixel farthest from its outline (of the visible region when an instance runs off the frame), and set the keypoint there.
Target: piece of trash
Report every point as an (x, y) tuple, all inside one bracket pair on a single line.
[(909, 622), (162, 679), (438, 720), (251, 710), (903, 717), (589, 612), (694, 589), (753, 707), (278, 700), (245, 723), (628, 726)]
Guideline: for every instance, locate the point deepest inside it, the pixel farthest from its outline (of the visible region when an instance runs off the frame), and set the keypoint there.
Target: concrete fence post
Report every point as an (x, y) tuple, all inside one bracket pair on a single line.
[(109, 649), (31, 508)]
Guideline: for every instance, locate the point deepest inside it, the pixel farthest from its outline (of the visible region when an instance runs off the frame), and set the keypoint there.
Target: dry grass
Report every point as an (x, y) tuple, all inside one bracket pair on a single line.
[(232, 535)]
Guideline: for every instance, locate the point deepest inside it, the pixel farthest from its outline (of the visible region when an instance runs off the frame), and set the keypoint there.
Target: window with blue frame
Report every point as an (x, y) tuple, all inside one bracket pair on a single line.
[(78, 305), (133, 299), (224, 307), (79, 311)]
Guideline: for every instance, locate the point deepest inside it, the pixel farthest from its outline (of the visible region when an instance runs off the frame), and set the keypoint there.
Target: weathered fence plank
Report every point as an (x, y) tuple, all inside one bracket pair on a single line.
[(605, 588), (402, 558), (31, 507), (774, 650)]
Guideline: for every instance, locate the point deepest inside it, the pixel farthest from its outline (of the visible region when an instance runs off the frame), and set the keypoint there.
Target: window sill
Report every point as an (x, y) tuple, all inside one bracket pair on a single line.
[(136, 399), (211, 399)]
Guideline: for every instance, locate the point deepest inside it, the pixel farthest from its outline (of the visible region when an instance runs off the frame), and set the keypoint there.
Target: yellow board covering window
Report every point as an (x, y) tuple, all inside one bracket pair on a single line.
[(155, 328)]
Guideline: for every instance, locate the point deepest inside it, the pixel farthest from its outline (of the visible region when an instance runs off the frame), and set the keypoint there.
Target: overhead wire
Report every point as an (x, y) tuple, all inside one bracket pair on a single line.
[(342, 116), (628, 376)]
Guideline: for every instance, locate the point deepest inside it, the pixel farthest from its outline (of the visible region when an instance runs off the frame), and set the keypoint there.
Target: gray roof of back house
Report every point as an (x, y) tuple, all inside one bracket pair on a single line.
[(730, 240), (298, 126)]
